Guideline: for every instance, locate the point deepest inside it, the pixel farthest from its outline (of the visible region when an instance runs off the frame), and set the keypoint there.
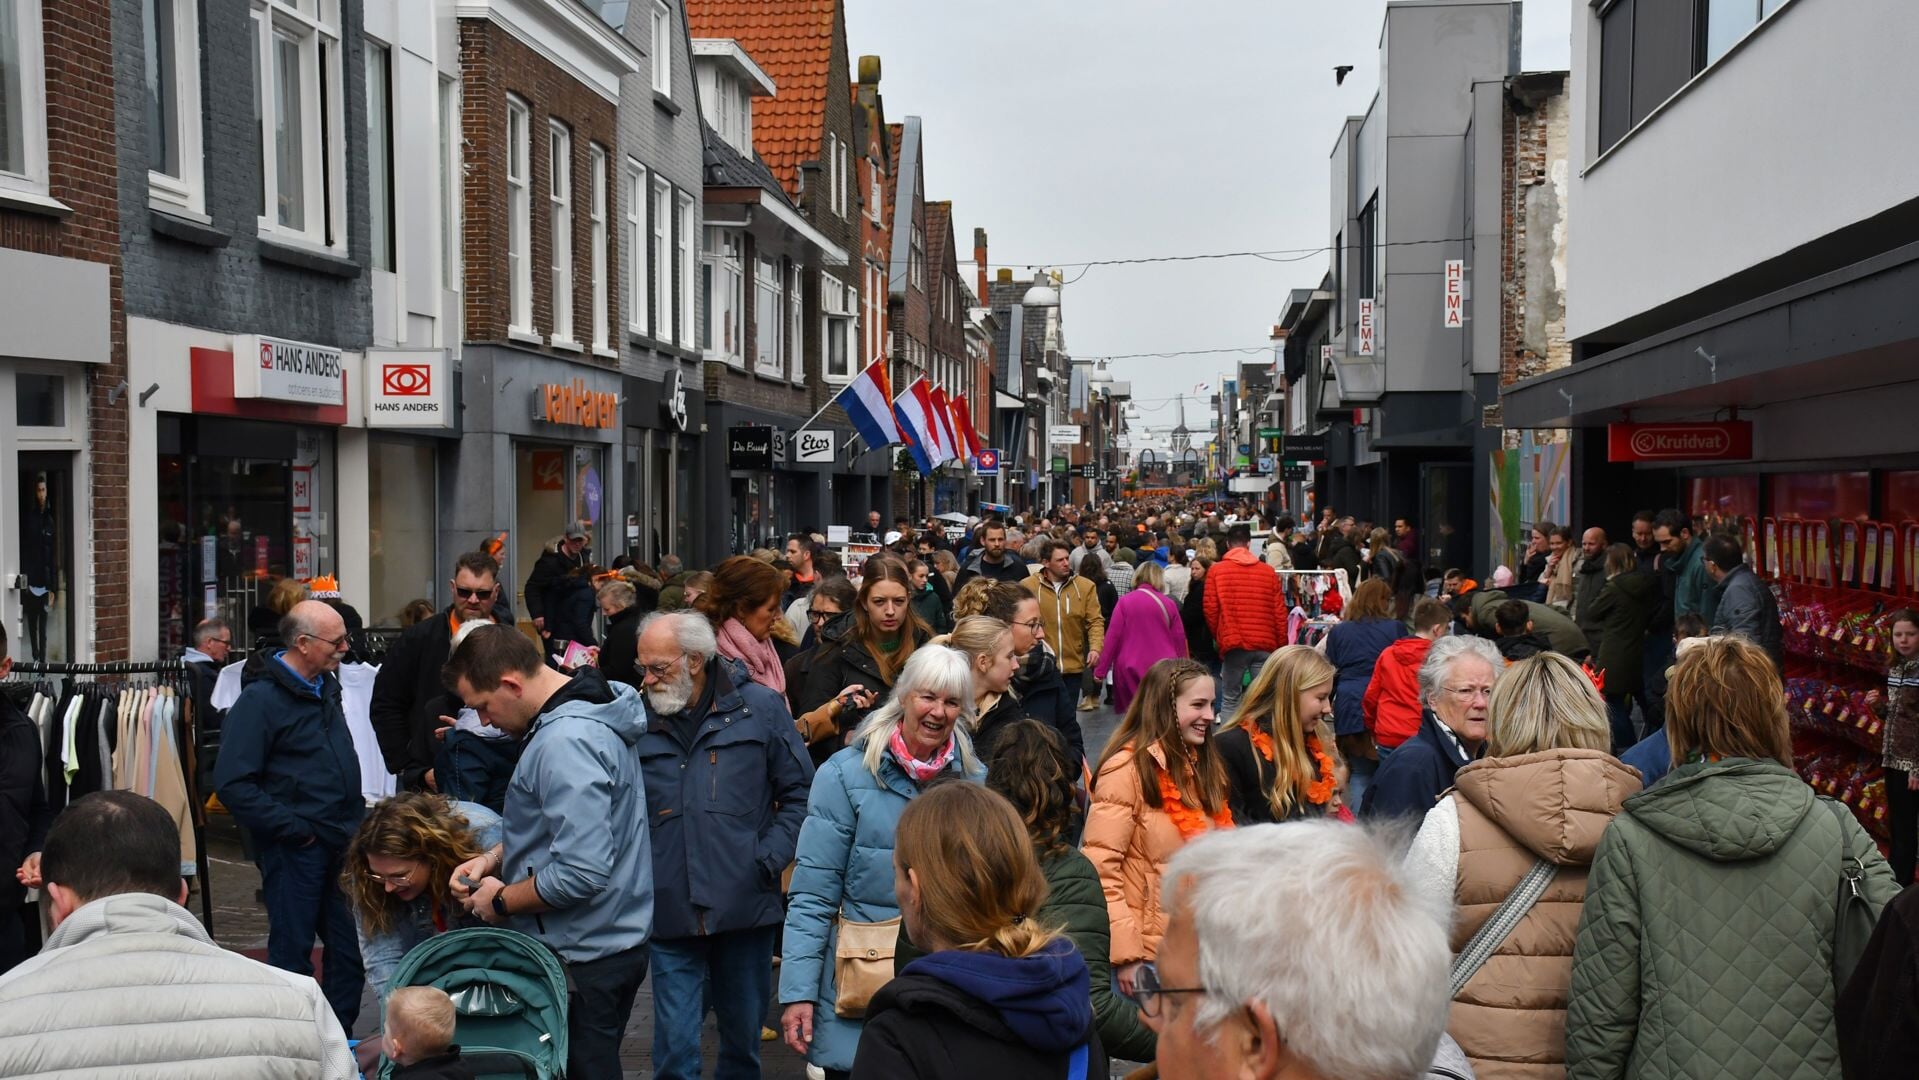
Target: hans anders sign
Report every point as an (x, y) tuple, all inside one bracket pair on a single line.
[(408, 388), (277, 370)]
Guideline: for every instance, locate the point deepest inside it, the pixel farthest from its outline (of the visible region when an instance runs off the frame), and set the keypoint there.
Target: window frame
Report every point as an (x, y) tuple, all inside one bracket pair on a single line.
[(916, 257), (721, 258), (452, 139), (640, 282), (519, 214), (661, 239), (389, 253), (32, 177), (187, 191), (324, 221), (662, 50), (596, 158), (835, 309), (768, 333), (559, 186), (795, 324), (687, 223)]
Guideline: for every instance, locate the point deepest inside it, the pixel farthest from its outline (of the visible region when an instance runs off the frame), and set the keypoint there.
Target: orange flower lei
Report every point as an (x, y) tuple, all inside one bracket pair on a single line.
[(1190, 821), (1320, 789)]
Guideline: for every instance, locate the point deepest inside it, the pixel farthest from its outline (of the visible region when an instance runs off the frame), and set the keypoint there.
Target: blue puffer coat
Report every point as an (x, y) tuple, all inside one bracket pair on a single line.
[(1354, 648), (845, 864)]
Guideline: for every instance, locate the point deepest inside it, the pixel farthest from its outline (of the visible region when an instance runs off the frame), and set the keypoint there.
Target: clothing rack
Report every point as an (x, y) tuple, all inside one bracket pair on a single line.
[(198, 798)]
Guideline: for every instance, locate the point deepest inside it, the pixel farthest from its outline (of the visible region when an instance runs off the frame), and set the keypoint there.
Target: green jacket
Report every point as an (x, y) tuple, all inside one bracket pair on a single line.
[(1566, 636), (1705, 946), (1622, 613), (1691, 584)]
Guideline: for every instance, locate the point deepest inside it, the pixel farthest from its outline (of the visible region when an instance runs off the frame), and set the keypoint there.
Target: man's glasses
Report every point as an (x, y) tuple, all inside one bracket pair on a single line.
[(661, 671), (333, 643), (473, 594), (820, 616), (1147, 991)]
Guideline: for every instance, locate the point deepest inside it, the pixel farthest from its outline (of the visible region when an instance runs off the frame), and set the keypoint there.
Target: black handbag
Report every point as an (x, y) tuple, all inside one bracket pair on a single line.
[(1853, 920)]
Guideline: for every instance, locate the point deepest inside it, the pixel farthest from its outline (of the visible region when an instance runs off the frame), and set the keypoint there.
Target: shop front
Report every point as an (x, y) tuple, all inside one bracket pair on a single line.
[(775, 478), (662, 459), (539, 450), (45, 533)]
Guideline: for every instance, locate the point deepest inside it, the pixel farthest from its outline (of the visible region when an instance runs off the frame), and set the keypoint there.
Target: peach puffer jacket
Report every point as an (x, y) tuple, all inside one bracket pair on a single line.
[(1129, 843)]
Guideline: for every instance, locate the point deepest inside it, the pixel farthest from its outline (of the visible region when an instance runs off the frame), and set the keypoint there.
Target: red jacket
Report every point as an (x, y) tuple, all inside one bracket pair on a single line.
[(1244, 605), (1392, 698)]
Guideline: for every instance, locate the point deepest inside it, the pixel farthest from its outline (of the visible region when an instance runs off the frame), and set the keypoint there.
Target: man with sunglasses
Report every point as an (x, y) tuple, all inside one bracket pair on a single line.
[(411, 711), (288, 774)]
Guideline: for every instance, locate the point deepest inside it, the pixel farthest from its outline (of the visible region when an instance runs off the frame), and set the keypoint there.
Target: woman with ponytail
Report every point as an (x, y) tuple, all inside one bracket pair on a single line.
[(1001, 992), (1279, 756), (988, 643), (1159, 784)]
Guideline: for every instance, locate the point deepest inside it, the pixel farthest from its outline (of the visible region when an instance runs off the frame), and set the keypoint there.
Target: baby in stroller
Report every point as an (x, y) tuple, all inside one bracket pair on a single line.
[(419, 1035)]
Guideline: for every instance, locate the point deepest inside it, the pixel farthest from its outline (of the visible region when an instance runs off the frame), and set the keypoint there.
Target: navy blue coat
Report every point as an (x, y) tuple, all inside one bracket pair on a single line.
[(1412, 778), (725, 796), (1354, 648), (287, 770)]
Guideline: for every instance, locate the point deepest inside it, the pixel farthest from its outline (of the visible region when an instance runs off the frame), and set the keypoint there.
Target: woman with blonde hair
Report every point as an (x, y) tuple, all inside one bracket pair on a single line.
[(1540, 798), (1279, 757), (988, 644), (1159, 784), (1711, 915), (1001, 992), (842, 888), (398, 872)]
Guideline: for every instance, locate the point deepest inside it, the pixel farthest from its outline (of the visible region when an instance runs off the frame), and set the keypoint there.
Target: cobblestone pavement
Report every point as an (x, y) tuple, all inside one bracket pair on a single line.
[(240, 923)]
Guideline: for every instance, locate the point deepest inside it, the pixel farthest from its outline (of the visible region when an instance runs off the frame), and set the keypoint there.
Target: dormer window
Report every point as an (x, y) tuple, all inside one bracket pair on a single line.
[(729, 80)]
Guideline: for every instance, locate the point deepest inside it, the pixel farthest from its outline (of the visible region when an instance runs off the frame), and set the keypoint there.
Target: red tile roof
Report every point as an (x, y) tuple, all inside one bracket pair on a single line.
[(792, 41)]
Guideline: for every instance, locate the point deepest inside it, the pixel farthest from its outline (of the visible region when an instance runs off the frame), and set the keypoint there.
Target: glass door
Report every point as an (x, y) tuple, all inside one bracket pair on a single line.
[(41, 579)]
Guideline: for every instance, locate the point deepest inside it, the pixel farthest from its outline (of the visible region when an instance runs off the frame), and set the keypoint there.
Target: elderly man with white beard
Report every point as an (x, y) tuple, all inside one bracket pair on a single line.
[(726, 783)]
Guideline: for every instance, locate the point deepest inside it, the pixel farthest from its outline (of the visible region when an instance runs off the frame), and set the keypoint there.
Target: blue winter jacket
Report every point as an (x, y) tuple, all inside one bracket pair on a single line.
[(576, 821), (1354, 648), (845, 865), (725, 798), (287, 770), (382, 952), (1411, 780)]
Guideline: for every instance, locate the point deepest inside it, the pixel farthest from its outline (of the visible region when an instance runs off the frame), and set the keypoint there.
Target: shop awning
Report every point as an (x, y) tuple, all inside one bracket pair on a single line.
[(1853, 329)]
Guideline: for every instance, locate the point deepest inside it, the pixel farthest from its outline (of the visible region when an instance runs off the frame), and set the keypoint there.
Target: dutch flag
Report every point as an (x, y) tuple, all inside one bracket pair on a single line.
[(919, 427), (867, 403)]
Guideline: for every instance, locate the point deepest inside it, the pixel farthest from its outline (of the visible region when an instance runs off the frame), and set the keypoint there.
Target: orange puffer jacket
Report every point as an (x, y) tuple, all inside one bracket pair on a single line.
[(1244, 605)]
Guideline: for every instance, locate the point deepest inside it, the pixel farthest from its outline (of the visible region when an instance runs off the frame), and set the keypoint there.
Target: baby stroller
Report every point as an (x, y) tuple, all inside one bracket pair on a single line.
[(510, 993)]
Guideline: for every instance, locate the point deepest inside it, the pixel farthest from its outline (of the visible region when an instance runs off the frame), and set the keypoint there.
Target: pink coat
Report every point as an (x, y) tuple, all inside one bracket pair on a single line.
[(1145, 630)]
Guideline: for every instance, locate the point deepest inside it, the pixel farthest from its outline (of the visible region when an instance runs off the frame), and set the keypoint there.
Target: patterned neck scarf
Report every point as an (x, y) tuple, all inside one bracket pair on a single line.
[(920, 771)]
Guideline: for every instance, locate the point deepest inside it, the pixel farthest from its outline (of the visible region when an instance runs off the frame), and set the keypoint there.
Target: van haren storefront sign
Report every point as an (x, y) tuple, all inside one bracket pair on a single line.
[(575, 404), (275, 370)]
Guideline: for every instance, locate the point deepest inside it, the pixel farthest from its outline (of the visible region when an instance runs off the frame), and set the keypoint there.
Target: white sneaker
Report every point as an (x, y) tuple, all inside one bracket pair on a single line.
[(814, 1072)]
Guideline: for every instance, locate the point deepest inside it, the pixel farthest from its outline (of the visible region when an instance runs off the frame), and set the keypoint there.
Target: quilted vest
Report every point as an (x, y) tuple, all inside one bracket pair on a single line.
[(1511, 1017)]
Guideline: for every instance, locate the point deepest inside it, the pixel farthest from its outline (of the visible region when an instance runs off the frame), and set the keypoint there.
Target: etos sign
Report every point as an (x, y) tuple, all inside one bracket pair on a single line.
[(1726, 440)]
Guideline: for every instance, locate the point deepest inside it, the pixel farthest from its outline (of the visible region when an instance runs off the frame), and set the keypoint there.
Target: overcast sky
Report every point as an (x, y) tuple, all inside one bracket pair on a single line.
[(1076, 130)]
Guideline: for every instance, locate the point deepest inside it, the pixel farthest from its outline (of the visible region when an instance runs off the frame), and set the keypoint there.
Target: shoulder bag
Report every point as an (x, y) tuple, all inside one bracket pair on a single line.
[(862, 963), (1496, 929), (1853, 920)]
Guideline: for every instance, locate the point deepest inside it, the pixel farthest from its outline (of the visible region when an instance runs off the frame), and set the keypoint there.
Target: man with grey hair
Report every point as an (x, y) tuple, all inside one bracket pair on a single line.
[(1455, 688), (727, 779), (1236, 993)]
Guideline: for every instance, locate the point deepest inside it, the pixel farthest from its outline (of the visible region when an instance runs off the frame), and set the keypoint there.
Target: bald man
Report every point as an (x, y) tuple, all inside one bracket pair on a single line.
[(288, 774), (1589, 580)]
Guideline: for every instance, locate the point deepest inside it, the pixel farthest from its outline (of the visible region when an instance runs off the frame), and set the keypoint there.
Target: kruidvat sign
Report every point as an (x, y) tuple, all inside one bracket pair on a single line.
[(1724, 440), (293, 371)]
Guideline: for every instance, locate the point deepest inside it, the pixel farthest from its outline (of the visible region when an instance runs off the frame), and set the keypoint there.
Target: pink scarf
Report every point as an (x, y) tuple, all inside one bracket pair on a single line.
[(920, 771), (761, 659)]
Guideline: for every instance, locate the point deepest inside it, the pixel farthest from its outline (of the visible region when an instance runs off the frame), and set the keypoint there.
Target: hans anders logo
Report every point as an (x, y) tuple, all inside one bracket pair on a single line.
[(407, 380), (266, 356)]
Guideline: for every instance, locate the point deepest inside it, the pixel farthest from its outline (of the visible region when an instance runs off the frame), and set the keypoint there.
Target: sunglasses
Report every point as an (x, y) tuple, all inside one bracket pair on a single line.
[(474, 594)]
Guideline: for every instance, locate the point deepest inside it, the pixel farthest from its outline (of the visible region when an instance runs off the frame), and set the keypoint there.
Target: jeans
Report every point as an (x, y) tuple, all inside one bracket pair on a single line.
[(1360, 777), (1902, 815), (474, 768), (1619, 712), (1236, 666), (730, 973), (303, 897), (1658, 657), (600, 997)]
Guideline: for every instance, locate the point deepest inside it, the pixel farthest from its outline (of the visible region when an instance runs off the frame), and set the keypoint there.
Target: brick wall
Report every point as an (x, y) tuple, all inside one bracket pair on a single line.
[(493, 65), (82, 173), (1536, 159)]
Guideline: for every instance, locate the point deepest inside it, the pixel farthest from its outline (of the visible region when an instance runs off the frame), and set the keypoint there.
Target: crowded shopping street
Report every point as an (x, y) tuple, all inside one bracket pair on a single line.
[(851, 540)]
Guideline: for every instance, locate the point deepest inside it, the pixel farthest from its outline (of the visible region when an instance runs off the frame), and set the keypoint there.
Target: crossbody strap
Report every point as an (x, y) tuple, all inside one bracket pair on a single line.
[(1496, 929), (1076, 1065)]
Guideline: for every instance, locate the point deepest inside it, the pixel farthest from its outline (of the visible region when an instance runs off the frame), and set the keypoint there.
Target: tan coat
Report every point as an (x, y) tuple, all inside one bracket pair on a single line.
[(1511, 1018), (1075, 627), (1129, 843)]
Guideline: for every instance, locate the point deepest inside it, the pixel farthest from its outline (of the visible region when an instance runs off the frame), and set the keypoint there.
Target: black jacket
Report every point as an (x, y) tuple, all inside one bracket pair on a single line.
[(962, 1015), (1249, 777), (1340, 554), (570, 608), (1199, 633), (287, 769), (447, 1066), (549, 570), (1517, 647), (1878, 1024), (619, 653), (1011, 569), (24, 811), (840, 660), (409, 699), (1008, 710), (1416, 774), (1044, 696), (726, 787)]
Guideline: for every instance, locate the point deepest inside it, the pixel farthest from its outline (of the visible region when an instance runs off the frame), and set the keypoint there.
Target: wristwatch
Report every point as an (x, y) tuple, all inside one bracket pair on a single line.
[(499, 903)]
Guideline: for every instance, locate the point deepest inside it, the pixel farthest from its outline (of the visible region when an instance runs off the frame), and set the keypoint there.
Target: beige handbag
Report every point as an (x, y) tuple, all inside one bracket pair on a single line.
[(862, 963)]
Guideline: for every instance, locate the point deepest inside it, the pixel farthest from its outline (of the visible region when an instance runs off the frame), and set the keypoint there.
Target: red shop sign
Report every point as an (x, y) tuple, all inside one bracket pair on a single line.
[(1725, 440)]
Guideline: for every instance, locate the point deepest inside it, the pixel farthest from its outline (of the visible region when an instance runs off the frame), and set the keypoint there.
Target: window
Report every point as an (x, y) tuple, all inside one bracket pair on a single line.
[(1648, 49), (836, 309), (596, 160), (1729, 20), (560, 204), (835, 187), (874, 202), (297, 79), (663, 257), (641, 285), (23, 96), (684, 283), (846, 182), (662, 49), (766, 316), (795, 330), (450, 141), (519, 214), (379, 150), (916, 258), (724, 285), (174, 165), (1366, 271)]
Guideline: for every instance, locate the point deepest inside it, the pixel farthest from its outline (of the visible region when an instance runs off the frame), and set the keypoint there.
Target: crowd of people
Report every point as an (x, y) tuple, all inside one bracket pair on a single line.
[(1543, 826)]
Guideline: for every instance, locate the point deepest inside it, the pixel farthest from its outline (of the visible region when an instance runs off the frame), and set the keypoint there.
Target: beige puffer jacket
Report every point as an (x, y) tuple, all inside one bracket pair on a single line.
[(133, 980), (1502, 815)]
